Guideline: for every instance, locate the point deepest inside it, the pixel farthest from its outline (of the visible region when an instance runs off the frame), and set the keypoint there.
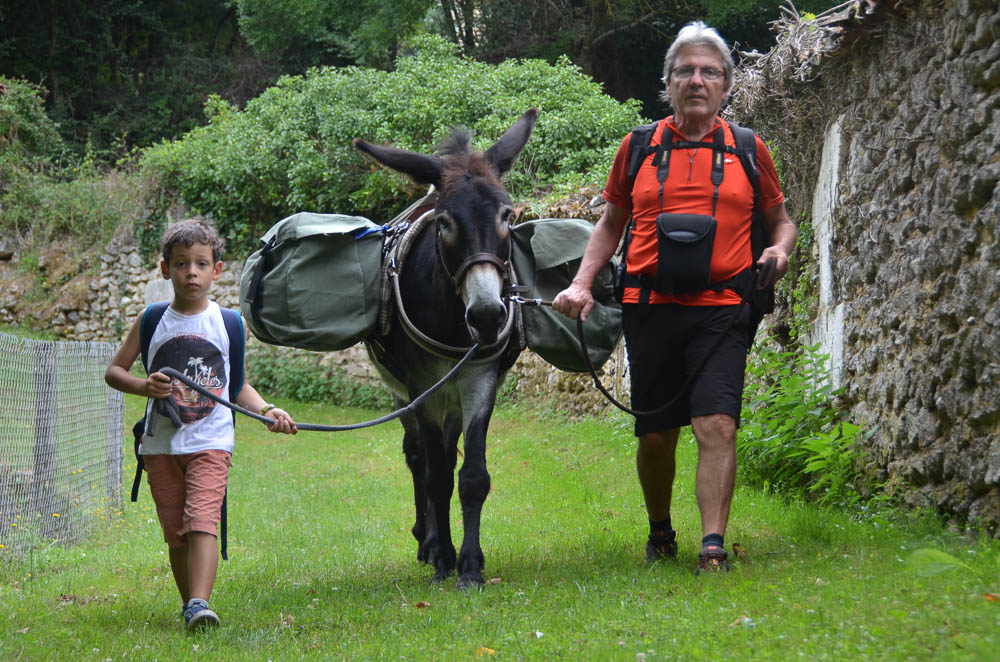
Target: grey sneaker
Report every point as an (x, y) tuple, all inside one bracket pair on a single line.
[(199, 617), (661, 545)]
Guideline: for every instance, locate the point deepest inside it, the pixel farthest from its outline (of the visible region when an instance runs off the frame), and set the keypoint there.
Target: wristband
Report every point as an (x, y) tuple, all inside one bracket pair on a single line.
[(266, 408)]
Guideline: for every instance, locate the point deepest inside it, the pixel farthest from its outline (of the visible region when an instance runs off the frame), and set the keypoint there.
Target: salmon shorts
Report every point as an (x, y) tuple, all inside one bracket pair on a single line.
[(188, 491)]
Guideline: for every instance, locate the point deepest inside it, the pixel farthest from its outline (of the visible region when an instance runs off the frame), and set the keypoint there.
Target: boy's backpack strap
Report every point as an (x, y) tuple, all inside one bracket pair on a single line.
[(137, 431), (224, 527), (150, 318), (237, 349)]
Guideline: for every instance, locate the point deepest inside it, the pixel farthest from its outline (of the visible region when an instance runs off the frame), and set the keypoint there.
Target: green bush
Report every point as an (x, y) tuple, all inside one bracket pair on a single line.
[(301, 376), (792, 437), (29, 140), (45, 192), (290, 149), (88, 210)]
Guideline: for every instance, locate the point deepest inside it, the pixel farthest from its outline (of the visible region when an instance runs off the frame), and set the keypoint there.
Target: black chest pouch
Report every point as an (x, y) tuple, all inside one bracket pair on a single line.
[(684, 244)]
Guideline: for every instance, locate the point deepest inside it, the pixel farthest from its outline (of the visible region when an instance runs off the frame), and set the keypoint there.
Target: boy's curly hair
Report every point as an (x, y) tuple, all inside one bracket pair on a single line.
[(189, 232)]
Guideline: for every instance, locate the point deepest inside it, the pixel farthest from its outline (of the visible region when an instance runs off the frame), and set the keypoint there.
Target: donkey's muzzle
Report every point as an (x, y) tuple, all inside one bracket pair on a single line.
[(485, 319)]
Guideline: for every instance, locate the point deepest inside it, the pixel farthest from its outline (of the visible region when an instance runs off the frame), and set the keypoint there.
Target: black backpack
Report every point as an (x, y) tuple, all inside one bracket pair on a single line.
[(237, 346), (761, 301)]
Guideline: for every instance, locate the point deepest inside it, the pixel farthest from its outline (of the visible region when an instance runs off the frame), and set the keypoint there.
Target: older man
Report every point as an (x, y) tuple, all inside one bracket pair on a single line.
[(678, 296)]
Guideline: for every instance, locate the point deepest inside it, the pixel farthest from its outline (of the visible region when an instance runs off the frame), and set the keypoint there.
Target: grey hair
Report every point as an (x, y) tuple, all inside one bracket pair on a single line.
[(696, 33)]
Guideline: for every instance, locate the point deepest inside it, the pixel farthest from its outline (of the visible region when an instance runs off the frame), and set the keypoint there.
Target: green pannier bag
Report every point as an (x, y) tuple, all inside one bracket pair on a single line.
[(546, 256), (314, 283)]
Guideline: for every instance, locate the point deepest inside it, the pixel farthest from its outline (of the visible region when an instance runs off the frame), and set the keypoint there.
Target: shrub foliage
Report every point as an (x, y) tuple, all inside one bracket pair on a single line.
[(793, 437), (46, 191), (302, 376), (290, 149), (29, 140)]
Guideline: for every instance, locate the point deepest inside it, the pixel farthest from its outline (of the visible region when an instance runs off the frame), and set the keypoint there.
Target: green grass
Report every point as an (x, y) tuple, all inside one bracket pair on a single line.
[(323, 567)]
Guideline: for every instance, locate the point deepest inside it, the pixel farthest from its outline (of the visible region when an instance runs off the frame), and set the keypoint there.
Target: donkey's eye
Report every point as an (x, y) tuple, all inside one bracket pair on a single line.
[(504, 219), (446, 228)]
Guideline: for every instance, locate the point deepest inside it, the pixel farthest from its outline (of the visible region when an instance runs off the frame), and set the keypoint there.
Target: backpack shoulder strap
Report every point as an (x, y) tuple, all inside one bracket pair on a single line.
[(638, 147), (762, 301), (150, 318), (237, 349), (746, 151)]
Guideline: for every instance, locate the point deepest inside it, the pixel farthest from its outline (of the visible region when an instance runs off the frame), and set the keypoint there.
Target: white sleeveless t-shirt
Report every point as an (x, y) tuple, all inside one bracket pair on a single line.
[(196, 346)]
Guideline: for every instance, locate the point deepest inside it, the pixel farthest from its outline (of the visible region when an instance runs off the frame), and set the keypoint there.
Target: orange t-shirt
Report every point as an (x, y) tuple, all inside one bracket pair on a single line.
[(688, 190)]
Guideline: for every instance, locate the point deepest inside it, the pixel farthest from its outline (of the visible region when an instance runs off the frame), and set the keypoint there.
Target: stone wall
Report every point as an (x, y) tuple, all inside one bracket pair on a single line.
[(889, 138)]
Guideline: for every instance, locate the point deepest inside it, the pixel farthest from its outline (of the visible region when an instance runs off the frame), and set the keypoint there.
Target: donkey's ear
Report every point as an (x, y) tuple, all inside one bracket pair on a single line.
[(502, 155), (421, 168)]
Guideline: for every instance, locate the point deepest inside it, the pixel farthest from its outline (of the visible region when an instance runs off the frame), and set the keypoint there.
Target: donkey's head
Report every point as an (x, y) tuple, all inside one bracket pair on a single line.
[(472, 215)]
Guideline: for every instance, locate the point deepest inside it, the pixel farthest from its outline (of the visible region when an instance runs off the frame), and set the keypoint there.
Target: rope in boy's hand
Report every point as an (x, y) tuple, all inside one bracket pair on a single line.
[(165, 407), (411, 407)]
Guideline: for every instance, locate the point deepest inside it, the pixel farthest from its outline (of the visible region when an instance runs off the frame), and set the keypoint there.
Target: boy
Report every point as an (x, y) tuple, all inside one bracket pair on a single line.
[(188, 466)]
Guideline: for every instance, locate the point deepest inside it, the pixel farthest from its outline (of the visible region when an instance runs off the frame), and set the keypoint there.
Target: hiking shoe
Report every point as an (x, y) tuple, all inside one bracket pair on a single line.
[(199, 617), (712, 559), (661, 545)]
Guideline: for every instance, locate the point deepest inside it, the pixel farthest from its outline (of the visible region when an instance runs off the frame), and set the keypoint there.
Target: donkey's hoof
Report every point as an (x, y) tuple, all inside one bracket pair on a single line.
[(440, 576), (471, 580)]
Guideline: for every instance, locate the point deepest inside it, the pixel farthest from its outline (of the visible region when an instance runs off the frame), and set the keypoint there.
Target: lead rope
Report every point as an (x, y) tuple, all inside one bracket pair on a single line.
[(170, 372), (761, 277)]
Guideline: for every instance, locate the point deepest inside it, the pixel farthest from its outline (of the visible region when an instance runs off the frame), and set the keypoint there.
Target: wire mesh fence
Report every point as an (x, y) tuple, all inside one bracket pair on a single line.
[(60, 442)]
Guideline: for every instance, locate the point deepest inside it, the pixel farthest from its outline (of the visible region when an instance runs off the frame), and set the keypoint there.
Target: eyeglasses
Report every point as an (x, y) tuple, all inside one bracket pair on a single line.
[(707, 73)]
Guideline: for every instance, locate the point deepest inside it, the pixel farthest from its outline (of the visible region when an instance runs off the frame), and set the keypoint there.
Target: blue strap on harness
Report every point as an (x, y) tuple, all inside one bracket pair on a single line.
[(364, 232)]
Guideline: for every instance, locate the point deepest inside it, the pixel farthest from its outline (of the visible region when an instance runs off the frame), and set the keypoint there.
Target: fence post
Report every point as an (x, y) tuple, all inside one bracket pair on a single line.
[(113, 449), (42, 494)]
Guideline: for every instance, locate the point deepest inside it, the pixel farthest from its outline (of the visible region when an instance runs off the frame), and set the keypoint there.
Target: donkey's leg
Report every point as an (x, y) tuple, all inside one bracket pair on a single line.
[(413, 451), (473, 478), (439, 484)]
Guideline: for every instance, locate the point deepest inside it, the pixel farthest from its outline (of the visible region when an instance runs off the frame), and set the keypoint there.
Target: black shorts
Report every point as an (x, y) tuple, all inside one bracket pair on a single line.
[(665, 343)]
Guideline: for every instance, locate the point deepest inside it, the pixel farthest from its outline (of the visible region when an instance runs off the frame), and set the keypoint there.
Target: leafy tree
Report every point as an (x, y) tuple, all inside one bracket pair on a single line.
[(127, 72), (124, 73), (46, 192), (618, 42), (304, 33)]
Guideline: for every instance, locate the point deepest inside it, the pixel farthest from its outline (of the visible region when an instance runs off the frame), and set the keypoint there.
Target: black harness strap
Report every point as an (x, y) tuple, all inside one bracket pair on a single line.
[(639, 147), (476, 258)]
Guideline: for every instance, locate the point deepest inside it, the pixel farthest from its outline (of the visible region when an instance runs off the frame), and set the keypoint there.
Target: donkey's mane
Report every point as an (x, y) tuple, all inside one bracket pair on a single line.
[(461, 162)]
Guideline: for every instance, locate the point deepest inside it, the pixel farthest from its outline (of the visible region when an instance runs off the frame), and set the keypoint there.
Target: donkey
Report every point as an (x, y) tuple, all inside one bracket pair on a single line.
[(450, 288)]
